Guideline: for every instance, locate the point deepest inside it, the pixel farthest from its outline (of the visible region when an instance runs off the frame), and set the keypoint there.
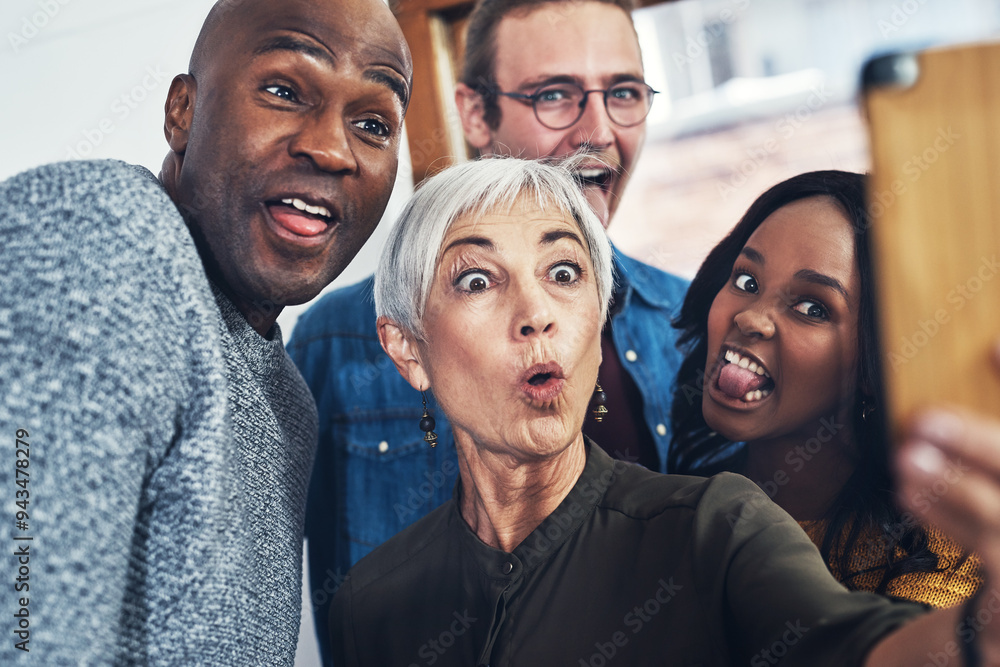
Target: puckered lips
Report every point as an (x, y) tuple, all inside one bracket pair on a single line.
[(302, 219), (740, 379), (543, 382)]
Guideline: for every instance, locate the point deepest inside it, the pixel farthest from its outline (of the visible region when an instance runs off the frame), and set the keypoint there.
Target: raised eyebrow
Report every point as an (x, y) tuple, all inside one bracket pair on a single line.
[(394, 83), (478, 241), (296, 45), (548, 238), (818, 278)]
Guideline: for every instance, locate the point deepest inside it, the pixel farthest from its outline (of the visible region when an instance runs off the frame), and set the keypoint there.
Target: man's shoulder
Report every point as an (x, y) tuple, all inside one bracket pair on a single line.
[(100, 240), (71, 181), (92, 202), (345, 311), (652, 283), (393, 560)]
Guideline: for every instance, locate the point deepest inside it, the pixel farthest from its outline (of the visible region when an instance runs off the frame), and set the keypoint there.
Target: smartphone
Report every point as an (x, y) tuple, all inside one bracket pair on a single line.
[(934, 202)]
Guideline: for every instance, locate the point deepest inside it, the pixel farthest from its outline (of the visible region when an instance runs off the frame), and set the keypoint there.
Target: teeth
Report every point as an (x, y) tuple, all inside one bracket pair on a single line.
[(744, 362), (302, 206), (756, 395)]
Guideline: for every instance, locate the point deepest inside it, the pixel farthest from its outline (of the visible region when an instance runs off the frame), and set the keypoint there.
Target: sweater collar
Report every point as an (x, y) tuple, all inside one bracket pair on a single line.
[(262, 355)]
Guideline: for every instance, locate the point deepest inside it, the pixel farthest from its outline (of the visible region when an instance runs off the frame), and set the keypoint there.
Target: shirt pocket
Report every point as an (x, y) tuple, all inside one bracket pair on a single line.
[(391, 476)]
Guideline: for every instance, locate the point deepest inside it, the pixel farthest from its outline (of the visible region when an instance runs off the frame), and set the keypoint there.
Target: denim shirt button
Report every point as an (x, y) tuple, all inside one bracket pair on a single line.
[(383, 446), (661, 429), (631, 355)]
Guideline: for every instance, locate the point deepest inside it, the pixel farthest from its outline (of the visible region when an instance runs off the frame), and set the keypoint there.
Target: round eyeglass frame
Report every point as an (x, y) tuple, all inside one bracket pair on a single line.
[(533, 98)]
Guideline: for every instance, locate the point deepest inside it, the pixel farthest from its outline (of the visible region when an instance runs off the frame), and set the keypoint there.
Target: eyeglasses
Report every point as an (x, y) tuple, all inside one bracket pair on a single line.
[(559, 105)]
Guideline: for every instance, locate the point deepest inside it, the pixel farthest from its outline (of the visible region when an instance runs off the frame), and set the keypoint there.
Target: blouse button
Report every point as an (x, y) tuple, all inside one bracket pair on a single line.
[(508, 567), (631, 355), (661, 429), (383, 446)]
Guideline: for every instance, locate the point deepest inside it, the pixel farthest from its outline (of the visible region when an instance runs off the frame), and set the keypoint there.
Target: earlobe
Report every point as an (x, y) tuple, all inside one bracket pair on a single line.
[(402, 349), (178, 111), (472, 111)]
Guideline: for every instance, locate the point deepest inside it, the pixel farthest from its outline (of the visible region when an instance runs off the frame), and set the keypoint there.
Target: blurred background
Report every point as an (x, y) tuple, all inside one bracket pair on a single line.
[(753, 92)]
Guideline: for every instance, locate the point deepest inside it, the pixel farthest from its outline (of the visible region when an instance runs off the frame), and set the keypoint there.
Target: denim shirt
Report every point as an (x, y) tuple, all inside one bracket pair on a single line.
[(374, 474)]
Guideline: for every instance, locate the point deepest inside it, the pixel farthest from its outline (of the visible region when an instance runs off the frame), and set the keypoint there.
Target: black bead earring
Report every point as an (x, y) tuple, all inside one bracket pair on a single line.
[(598, 401), (427, 425)]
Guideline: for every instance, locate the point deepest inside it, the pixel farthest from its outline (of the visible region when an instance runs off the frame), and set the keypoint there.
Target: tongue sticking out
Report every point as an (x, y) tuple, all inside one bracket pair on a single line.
[(736, 381), (297, 221)]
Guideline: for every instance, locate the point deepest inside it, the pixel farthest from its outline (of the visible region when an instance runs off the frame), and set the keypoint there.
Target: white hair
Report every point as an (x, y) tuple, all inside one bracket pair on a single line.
[(406, 269)]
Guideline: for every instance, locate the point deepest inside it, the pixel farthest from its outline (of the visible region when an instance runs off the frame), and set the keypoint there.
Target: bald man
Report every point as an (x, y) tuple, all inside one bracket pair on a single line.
[(157, 439)]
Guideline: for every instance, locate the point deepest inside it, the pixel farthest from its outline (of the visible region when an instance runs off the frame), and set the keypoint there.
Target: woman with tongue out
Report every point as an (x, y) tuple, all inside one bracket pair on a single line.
[(783, 358)]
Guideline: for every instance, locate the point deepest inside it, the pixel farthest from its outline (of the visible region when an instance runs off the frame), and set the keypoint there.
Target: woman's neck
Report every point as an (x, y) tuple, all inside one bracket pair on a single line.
[(504, 498), (803, 475)]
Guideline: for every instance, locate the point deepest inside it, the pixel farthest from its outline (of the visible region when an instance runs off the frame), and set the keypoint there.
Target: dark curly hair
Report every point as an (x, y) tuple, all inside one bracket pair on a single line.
[(864, 507)]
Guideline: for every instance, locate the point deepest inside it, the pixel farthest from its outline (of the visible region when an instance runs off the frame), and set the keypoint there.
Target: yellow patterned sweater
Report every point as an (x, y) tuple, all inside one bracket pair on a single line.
[(959, 578)]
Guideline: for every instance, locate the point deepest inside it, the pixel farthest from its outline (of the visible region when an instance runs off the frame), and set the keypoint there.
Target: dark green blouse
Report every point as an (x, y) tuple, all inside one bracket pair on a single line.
[(632, 568)]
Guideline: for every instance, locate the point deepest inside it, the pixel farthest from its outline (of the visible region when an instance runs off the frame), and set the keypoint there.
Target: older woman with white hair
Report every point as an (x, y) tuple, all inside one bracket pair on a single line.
[(492, 292)]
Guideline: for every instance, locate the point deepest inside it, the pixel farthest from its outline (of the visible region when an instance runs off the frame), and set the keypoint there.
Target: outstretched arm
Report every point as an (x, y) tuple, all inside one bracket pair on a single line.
[(948, 473)]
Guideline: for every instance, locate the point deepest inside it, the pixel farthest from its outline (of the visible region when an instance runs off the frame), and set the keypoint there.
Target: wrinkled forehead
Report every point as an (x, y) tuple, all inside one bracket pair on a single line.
[(363, 30)]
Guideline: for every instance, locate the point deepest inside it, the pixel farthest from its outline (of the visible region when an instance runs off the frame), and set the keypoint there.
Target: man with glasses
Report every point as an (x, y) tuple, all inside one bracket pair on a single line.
[(542, 79)]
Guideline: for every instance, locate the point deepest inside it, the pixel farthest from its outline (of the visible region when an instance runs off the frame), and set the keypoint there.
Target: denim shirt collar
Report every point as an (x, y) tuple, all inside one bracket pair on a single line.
[(632, 276)]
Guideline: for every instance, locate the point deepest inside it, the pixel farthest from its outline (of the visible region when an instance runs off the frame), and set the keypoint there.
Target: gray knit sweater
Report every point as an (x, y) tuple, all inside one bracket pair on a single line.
[(168, 444)]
